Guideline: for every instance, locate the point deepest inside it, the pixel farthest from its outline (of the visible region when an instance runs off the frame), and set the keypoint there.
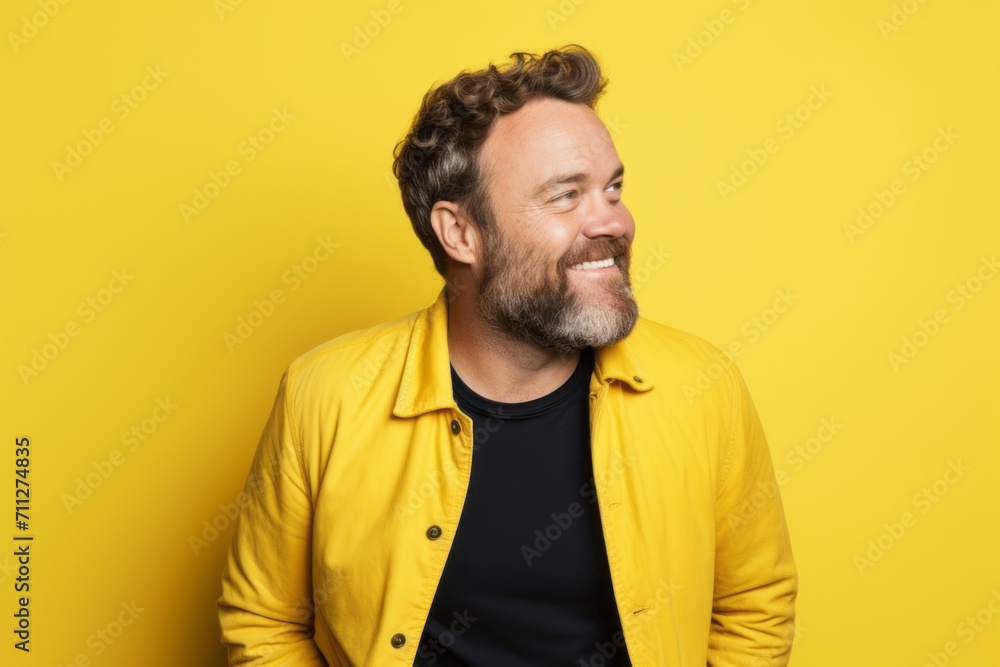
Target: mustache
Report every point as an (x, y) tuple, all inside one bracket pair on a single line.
[(598, 251)]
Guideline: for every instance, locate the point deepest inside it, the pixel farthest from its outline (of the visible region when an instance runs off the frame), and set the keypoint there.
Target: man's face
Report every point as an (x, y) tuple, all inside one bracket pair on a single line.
[(554, 184)]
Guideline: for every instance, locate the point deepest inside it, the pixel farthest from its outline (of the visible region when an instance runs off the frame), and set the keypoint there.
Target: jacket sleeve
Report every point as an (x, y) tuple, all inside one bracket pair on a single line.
[(756, 582), (266, 606)]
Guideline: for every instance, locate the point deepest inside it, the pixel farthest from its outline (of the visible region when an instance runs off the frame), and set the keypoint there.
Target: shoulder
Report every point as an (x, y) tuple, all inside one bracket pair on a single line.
[(351, 358), (686, 366), (655, 342)]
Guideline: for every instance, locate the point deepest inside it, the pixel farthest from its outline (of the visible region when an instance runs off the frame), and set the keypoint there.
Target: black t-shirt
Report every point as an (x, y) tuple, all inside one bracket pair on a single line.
[(527, 579)]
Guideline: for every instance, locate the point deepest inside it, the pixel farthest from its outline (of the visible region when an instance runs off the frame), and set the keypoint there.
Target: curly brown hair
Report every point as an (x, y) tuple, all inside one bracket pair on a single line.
[(438, 159)]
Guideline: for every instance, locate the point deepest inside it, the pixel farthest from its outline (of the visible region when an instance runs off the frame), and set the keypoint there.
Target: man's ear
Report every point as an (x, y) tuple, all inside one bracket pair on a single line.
[(456, 233)]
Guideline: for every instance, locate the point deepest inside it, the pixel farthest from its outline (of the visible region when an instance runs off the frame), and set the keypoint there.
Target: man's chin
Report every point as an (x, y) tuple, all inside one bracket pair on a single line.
[(617, 298), (600, 326)]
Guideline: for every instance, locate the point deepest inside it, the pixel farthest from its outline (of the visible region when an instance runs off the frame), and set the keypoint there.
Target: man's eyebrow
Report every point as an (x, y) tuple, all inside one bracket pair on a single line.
[(576, 177)]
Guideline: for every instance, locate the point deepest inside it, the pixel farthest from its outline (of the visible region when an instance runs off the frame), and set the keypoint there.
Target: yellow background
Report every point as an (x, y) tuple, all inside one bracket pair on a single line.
[(893, 76)]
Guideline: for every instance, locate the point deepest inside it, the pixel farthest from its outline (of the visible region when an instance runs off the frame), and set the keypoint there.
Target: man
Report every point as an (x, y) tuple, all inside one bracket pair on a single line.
[(513, 476)]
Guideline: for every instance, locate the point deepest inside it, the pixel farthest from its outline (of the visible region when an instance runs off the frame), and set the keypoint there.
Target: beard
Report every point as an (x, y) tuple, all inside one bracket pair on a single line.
[(523, 296)]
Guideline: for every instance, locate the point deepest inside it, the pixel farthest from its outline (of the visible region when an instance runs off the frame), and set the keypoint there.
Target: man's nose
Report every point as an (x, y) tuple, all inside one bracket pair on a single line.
[(609, 218)]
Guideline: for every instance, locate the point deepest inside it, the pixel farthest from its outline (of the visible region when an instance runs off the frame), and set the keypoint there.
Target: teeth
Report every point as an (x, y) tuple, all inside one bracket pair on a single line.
[(601, 264)]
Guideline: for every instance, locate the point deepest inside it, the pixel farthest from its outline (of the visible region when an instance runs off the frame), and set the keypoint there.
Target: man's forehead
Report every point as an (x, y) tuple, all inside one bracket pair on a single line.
[(549, 120), (546, 136)]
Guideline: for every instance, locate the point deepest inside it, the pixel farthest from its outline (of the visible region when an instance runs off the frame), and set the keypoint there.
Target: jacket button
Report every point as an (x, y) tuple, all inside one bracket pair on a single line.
[(455, 427), (637, 379), (398, 640), (434, 532)]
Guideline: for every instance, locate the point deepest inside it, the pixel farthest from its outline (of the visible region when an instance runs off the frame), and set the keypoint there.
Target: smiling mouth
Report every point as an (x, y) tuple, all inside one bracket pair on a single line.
[(598, 264)]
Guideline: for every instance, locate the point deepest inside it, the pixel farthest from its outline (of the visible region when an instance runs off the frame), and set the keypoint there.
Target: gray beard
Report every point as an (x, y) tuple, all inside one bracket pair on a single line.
[(543, 311)]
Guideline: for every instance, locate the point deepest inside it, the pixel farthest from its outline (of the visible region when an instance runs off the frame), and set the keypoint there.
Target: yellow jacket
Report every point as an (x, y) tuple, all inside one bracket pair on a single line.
[(360, 475)]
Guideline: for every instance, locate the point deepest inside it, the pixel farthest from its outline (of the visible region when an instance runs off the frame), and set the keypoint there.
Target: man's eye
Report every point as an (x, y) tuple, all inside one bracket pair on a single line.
[(619, 185), (567, 195)]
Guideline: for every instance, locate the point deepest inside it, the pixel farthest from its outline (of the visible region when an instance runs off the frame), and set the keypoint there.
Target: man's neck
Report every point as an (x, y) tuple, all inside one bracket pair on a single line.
[(500, 367)]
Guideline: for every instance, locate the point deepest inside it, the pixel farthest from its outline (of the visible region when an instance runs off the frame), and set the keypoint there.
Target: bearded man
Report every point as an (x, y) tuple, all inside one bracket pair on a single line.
[(513, 475)]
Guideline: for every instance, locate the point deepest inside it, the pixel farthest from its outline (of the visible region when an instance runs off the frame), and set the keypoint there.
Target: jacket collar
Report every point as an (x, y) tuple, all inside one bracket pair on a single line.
[(426, 381)]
